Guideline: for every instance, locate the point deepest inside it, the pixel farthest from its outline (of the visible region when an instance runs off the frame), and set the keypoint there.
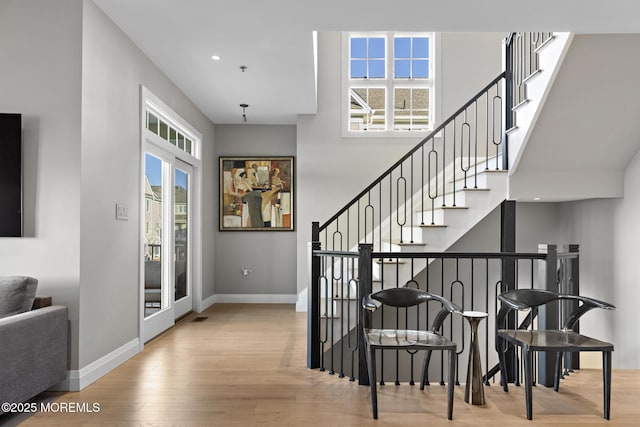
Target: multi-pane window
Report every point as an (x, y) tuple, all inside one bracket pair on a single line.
[(411, 109), (169, 133), (390, 82), (411, 57), (367, 108), (367, 57)]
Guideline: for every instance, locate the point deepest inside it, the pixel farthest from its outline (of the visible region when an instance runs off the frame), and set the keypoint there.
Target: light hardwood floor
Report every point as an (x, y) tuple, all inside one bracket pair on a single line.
[(245, 365)]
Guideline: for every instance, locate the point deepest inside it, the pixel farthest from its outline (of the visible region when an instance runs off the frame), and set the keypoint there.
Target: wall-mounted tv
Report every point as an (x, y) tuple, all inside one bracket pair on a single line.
[(10, 175)]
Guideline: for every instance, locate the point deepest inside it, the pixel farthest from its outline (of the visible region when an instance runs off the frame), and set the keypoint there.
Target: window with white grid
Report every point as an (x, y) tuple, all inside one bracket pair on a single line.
[(389, 82)]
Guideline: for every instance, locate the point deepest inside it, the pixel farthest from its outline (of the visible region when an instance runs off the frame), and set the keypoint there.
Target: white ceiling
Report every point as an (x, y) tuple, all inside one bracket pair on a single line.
[(273, 39)]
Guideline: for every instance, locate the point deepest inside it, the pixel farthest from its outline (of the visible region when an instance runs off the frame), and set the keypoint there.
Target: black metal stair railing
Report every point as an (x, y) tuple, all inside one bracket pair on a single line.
[(471, 280), (394, 206), (403, 198), (522, 60)]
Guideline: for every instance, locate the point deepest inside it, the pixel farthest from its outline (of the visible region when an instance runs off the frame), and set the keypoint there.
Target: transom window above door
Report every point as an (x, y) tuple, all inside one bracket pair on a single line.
[(157, 124)]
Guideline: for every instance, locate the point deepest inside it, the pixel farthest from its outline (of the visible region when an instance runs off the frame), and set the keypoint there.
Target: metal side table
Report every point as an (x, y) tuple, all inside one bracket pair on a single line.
[(474, 390)]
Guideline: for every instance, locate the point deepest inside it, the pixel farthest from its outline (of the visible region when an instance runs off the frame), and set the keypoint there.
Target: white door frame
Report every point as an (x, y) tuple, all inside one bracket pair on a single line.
[(184, 305), (164, 318), (152, 143)]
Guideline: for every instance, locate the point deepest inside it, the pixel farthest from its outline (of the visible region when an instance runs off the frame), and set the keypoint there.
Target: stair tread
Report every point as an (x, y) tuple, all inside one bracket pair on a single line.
[(521, 103), (433, 225), (545, 43), (452, 207), (444, 208), (487, 171), (408, 243), (531, 76), (390, 261), (511, 129)]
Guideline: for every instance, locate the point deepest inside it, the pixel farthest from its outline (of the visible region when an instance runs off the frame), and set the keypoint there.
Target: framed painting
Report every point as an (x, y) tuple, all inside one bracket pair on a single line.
[(257, 194)]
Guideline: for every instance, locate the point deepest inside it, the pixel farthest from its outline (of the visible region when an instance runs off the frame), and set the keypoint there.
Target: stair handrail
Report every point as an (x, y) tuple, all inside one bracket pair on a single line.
[(426, 139)]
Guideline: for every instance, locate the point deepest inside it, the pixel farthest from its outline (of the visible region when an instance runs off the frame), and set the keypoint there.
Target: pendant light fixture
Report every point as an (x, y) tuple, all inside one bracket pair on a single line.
[(244, 115)]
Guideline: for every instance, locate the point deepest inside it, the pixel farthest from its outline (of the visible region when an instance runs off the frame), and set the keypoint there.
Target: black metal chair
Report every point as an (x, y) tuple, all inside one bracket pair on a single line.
[(407, 339), (559, 341)]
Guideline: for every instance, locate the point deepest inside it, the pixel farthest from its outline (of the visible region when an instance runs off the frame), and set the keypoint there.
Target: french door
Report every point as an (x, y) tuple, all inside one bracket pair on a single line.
[(167, 232)]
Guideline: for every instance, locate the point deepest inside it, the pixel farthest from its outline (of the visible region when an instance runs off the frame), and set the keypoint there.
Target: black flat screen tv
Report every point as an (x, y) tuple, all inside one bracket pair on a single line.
[(10, 175)]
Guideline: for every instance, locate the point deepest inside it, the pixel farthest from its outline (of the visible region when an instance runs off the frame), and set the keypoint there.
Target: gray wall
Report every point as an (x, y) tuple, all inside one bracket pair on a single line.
[(608, 233), (76, 79), (270, 255), (113, 69), (40, 69)]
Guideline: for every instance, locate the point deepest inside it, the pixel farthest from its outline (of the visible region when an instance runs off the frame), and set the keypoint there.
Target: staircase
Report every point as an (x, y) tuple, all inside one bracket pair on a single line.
[(437, 192)]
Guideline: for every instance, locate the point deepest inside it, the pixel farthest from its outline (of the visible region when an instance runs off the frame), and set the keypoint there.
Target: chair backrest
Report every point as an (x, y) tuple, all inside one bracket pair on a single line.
[(408, 297), (522, 299)]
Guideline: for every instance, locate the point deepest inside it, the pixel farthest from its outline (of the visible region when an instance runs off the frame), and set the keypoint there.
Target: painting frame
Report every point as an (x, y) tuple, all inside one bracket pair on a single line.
[(256, 193)]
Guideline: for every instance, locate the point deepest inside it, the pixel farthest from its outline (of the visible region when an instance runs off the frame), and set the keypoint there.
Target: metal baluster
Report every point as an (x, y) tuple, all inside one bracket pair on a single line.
[(486, 324), (444, 165), (475, 161), (451, 286), (453, 158), (369, 208), (433, 157), (401, 180), (465, 169), (497, 99), (486, 154), (422, 187), (321, 279), (442, 293), (391, 209), (380, 216), (340, 300), (358, 226), (411, 210), (353, 348), (397, 381)]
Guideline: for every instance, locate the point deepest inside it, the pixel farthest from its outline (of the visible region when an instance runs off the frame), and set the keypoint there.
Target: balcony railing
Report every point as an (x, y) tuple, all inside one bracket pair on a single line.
[(471, 280)]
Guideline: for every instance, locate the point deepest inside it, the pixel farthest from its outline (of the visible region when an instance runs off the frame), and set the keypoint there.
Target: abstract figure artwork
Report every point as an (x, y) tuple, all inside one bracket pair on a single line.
[(257, 194)]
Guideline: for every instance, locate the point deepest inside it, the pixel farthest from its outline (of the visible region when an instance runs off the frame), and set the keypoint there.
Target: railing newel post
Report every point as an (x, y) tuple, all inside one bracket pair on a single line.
[(548, 316), (313, 299), (365, 287), (573, 275)]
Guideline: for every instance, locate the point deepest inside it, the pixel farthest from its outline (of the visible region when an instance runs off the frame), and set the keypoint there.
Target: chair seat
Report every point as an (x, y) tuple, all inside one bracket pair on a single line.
[(554, 340), (393, 338)]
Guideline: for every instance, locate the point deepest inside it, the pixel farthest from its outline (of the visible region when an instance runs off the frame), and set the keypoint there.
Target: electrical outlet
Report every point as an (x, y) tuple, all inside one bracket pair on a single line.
[(122, 211), (245, 272)]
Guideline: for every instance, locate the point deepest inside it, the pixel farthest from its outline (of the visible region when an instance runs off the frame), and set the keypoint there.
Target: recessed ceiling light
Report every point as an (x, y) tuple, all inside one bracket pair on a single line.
[(215, 58)]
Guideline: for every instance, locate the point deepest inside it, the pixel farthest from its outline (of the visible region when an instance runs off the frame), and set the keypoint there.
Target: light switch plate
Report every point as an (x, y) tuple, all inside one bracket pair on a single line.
[(122, 212)]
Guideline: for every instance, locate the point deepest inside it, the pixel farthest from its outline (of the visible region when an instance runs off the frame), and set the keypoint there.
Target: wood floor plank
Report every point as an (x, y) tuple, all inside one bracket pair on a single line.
[(246, 365)]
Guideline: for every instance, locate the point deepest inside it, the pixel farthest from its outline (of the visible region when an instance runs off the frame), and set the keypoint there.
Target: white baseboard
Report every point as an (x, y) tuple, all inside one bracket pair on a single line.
[(255, 298), (78, 379), (208, 302)]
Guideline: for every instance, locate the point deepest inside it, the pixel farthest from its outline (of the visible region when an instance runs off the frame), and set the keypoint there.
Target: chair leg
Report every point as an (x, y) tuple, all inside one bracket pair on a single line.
[(425, 370), (528, 374), (558, 371), (371, 365), (606, 374), (451, 385), (503, 367)]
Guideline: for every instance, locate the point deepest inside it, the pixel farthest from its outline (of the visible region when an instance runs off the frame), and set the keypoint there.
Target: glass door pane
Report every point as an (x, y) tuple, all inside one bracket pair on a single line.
[(154, 283), (181, 230)]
